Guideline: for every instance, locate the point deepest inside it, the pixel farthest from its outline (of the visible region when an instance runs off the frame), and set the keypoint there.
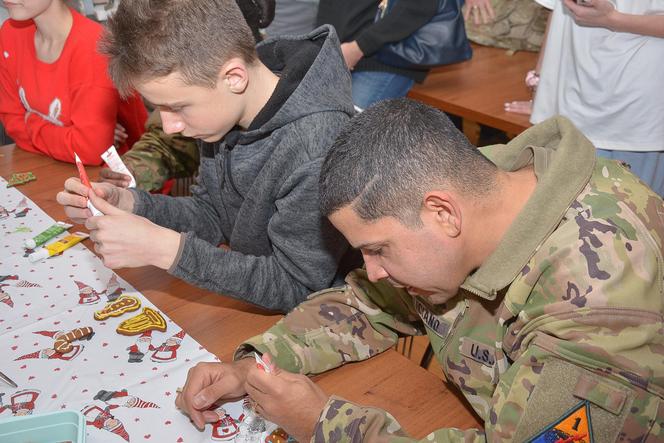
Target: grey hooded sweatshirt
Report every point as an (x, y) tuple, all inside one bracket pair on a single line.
[(257, 190)]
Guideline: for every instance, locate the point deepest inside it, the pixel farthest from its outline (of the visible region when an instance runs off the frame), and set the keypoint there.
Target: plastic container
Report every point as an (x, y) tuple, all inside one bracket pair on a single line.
[(50, 427)]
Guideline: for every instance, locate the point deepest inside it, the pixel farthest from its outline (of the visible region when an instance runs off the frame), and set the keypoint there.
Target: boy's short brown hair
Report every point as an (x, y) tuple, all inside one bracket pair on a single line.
[(147, 39)]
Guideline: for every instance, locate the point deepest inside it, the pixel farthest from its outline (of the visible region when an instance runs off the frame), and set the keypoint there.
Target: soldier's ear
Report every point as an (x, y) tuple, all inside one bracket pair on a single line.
[(443, 209)]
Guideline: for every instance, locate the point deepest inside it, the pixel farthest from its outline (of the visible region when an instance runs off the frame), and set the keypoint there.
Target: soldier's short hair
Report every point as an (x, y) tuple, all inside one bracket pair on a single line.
[(147, 39), (388, 157)]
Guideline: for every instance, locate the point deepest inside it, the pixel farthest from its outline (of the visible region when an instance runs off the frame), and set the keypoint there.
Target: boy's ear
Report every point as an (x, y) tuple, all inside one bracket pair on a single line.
[(234, 75)]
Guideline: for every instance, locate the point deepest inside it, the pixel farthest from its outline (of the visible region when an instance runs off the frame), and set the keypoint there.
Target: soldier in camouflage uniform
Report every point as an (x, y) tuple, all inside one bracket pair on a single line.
[(539, 284)]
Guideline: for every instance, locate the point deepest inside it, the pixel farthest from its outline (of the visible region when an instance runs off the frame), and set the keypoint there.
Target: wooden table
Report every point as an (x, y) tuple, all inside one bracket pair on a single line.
[(220, 323), (477, 89)]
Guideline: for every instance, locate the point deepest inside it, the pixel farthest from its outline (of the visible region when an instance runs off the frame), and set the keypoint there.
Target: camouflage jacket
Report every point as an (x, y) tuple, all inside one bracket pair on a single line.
[(559, 332), (158, 156)]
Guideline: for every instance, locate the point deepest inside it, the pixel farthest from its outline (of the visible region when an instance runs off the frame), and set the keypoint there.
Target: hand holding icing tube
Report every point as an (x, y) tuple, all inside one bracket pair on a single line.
[(86, 181), (266, 366), (115, 163), (57, 247), (48, 234)]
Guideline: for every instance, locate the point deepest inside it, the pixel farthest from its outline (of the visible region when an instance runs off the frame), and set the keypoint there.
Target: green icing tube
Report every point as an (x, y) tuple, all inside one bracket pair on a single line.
[(48, 234)]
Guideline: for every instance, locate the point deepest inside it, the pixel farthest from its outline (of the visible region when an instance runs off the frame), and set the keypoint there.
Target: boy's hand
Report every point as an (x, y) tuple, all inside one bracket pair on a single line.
[(75, 198), (125, 240), (292, 401), (208, 382), (352, 53), (114, 178)]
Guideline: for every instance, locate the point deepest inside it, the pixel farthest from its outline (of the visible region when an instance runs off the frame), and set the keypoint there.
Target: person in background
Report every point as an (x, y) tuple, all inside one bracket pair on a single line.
[(362, 36), (600, 67), (56, 97), (159, 157), (534, 268), (265, 117), (516, 25), (4, 14), (293, 17)]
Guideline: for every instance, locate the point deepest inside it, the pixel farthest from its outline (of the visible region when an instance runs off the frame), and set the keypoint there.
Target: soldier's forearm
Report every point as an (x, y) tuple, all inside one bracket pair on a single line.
[(351, 422)]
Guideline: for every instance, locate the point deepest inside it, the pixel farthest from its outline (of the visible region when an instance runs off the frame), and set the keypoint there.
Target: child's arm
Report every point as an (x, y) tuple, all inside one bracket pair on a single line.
[(91, 131), (12, 111)]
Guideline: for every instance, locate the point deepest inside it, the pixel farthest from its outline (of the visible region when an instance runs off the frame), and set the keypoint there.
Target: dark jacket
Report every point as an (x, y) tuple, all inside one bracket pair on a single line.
[(356, 20), (257, 190)]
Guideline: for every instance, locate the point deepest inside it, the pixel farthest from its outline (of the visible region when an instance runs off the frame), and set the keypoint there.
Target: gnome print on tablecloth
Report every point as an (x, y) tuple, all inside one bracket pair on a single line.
[(62, 348), (51, 354), (123, 399), (103, 419), (12, 281), (4, 296), (21, 209), (22, 213), (142, 345), (168, 351), (226, 428), (86, 294), (22, 402), (113, 289), (4, 213)]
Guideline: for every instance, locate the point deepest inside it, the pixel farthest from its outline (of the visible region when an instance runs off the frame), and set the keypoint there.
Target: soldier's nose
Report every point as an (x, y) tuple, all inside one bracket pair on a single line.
[(376, 273)]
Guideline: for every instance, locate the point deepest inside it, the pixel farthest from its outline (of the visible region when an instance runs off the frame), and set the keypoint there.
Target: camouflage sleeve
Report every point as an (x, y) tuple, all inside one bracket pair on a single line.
[(158, 156), (339, 325), (343, 421)]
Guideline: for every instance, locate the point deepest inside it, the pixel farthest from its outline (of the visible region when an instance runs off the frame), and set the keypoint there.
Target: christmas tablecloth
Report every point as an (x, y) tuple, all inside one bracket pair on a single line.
[(124, 385)]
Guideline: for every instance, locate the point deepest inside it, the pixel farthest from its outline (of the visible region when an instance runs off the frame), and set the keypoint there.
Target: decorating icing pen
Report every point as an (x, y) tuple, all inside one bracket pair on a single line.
[(86, 181), (48, 234), (260, 363), (57, 247), (113, 160)]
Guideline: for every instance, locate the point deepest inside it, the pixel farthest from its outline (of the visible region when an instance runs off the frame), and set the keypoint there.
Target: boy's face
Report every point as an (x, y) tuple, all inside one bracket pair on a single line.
[(193, 111), (423, 259)]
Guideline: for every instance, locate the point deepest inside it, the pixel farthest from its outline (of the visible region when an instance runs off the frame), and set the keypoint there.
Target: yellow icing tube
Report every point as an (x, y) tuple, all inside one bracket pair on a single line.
[(57, 247)]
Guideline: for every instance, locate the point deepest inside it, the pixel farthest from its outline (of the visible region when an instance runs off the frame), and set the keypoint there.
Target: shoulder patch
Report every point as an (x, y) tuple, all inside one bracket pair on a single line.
[(574, 426)]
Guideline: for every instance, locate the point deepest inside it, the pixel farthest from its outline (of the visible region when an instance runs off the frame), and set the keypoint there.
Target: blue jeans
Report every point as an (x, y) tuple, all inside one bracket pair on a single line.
[(648, 166), (370, 87)]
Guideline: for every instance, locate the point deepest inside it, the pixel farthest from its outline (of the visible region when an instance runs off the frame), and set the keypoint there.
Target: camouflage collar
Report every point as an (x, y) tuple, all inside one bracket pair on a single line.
[(564, 161)]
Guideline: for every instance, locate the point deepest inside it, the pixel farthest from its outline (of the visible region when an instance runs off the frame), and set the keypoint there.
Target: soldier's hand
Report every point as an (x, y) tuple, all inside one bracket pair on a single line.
[(292, 401), (209, 382), (74, 198), (114, 178)]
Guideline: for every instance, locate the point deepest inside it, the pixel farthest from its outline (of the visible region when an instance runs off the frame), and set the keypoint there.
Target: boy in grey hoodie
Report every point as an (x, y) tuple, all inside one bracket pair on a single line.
[(265, 118)]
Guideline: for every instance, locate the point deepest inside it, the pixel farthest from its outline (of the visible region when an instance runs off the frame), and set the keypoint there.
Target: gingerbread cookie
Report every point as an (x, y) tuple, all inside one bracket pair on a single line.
[(279, 436), (125, 303), (63, 341), (148, 320)]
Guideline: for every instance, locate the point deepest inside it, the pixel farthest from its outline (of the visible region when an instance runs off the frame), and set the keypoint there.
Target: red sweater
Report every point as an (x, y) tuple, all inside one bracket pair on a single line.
[(66, 106)]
